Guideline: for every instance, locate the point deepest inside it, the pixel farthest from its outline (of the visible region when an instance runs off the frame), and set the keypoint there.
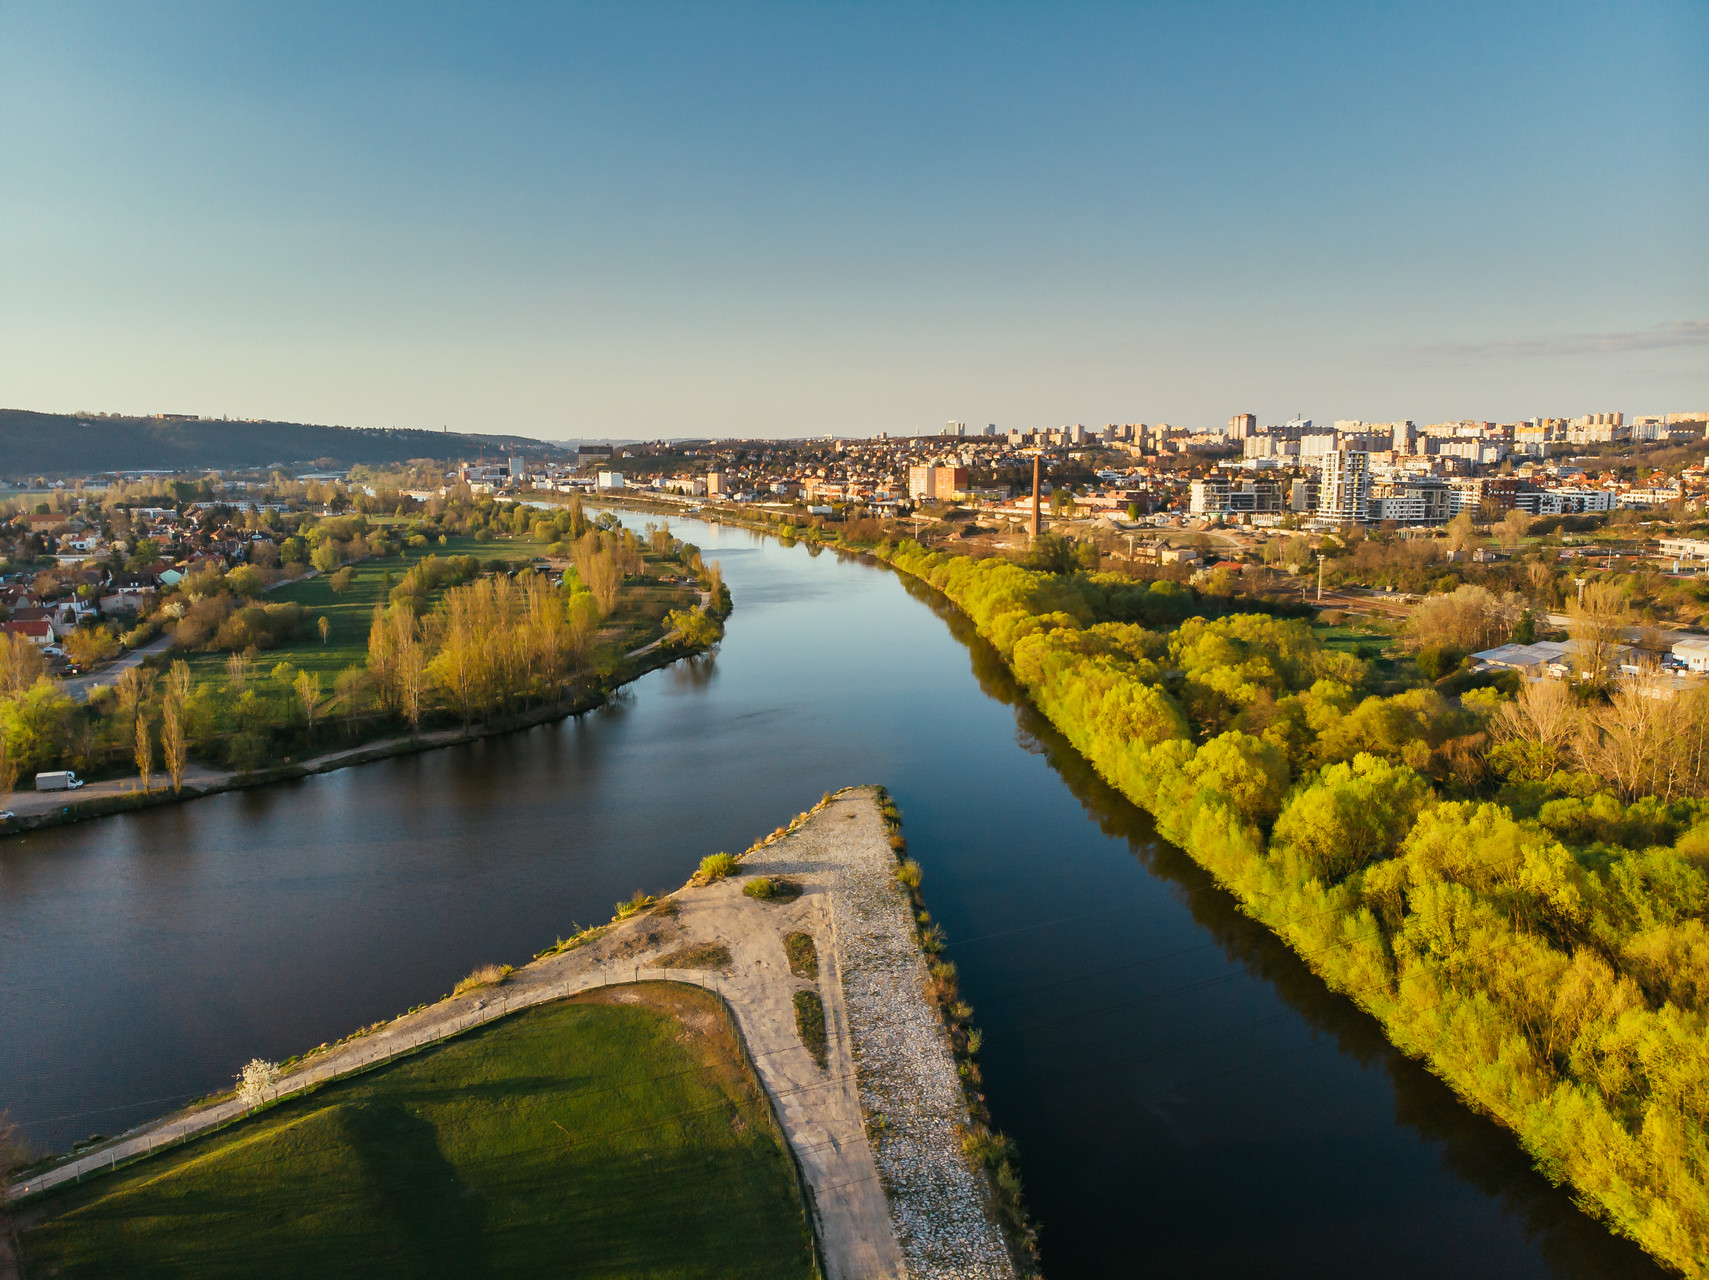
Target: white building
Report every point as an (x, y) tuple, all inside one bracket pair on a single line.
[(1345, 489), (609, 480), (1685, 548), (1693, 652)]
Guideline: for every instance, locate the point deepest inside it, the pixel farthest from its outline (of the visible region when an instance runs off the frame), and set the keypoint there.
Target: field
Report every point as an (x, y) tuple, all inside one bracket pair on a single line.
[(590, 1137), (349, 614)]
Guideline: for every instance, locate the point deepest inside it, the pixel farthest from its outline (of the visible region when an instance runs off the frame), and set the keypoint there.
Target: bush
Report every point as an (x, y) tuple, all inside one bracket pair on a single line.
[(803, 954), (488, 975), (715, 866), (1438, 660), (810, 1022), (637, 903), (909, 874), (767, 889)]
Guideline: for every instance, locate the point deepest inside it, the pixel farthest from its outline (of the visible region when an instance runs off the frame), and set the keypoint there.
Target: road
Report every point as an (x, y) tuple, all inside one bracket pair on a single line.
[(79, 686)]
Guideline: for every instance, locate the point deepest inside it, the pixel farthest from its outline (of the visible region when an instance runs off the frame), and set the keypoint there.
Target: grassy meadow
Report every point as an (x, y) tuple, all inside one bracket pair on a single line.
[(612, 1135)]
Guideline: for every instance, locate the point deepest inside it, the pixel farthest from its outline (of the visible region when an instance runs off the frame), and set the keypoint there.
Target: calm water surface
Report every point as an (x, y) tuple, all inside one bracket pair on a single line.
[(1188, 1100)]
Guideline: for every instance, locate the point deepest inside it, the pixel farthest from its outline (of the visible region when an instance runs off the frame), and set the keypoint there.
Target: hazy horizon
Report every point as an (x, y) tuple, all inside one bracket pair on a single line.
[(656, 221)]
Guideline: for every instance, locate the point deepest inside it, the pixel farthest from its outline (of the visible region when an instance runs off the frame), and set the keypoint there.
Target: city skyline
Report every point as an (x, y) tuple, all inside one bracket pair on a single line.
[(657, 222)]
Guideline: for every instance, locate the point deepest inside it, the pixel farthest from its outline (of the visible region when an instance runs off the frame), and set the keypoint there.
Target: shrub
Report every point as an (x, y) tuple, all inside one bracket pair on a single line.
[(715, 866), (711, 955), (803, 954), (637, 903), (767, 889), (909, 874), (810, 1023), (488, 975)]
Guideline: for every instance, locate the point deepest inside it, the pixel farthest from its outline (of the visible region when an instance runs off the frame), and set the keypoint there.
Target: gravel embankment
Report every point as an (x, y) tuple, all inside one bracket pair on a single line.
[(909, 1089)]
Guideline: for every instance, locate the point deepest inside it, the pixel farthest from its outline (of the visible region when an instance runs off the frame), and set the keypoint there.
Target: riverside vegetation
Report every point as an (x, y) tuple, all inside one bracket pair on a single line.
[(1515, 887), (450, 640)]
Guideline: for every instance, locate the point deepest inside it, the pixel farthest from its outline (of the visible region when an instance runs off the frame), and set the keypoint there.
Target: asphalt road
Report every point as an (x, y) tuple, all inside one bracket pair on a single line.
[(79, 686)]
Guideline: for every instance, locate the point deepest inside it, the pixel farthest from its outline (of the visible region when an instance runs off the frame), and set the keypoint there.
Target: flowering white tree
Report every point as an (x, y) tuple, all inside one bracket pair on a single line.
[(254, 1081)]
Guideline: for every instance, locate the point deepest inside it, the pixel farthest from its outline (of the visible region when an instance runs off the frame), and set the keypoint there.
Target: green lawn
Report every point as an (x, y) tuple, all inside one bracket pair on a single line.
[(586, 1138), (349, 615)]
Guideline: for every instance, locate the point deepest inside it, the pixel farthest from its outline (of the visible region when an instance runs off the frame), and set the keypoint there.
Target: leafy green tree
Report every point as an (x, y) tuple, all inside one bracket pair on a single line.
[(1353, 813)]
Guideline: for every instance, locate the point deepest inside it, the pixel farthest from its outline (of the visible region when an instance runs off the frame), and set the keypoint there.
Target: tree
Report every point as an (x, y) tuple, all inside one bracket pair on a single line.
[(1461, 534), (144, 752), (172, 745), (324, 624), (692, 628), (253, 1082), (1514, 526), (1468, 619), (340, 581), (1597, 622), (307, 686), (1535, 731), (8, 768), (21, 665), (1354, 813)]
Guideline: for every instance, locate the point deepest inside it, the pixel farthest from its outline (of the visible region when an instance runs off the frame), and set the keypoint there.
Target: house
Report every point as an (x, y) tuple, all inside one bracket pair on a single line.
[(38, 631)]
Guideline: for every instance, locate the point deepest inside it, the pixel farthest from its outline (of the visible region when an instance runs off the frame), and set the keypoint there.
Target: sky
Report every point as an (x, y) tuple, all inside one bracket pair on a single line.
[(652, 220)]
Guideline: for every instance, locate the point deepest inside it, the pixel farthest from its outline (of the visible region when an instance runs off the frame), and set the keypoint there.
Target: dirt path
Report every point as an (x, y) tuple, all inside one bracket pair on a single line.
[(838, 855)]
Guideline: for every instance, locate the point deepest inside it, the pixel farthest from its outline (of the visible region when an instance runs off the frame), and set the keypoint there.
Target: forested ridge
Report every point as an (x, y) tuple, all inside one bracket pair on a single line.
[(63, 443), (1528, 921)]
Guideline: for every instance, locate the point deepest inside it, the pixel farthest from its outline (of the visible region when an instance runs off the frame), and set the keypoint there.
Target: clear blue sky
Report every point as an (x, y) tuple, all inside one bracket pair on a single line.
[(645, 220)]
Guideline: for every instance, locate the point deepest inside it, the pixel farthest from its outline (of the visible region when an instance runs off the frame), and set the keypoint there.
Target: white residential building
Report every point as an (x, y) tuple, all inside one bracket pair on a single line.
[(1345, 489)]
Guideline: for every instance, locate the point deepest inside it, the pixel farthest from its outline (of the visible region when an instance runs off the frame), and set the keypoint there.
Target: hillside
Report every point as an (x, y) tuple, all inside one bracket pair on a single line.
[(57, 444)]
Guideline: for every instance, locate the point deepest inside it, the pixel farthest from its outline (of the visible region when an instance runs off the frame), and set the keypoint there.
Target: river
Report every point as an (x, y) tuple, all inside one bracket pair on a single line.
[(1188, 1100)]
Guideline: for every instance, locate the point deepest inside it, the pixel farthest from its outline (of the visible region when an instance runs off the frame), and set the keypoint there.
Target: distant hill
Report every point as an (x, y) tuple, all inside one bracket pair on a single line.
[(55, 444)]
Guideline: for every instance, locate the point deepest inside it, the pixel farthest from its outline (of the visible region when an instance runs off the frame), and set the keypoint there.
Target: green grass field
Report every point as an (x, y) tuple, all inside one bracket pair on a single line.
[(349, 614), (587, 1138)]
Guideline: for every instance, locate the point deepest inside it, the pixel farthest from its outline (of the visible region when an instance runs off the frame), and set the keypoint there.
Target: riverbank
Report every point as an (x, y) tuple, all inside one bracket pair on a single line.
[(1596, 1134), (937, 1218), (35, 810)]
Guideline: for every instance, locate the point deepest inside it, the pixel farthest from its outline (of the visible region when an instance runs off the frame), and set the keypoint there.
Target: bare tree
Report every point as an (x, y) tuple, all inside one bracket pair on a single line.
[(1597, 623), (1514, 526)]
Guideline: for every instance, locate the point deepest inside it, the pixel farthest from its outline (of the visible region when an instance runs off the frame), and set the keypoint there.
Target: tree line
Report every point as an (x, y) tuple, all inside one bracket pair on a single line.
[(1517, 888)]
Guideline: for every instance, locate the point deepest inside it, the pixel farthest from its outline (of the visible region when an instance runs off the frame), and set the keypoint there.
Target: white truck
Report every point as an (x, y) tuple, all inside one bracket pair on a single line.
[(58, 780)]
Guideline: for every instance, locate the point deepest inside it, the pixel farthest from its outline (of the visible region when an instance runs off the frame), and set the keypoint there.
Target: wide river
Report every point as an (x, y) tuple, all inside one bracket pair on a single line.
[(1188, 1100)]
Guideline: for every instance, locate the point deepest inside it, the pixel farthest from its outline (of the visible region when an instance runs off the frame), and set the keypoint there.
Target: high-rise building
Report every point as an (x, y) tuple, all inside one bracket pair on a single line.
[(1344, 492), (1405, 436), (1242, 425)]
